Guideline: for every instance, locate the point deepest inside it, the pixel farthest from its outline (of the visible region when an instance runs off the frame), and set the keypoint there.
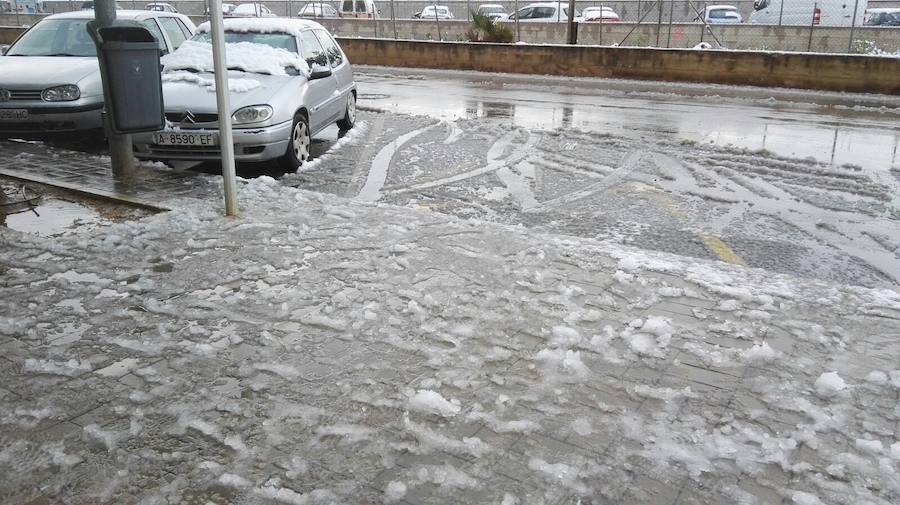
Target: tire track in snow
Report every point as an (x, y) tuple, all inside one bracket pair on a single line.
[(371, 190), (804, 216), (614, 178), (494, 163)]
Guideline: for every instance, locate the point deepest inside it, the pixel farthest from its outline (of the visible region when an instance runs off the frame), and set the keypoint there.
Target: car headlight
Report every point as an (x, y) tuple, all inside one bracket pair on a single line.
[(64, 93), (252, 114)]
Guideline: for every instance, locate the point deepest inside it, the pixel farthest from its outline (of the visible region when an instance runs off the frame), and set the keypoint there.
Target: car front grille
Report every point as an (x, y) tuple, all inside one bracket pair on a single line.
[(176, 117), (22, 95)]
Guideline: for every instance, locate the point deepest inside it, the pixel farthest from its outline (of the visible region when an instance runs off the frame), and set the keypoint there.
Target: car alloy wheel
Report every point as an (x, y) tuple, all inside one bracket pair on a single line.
[(297, 152), (349, 118), (300, 141)]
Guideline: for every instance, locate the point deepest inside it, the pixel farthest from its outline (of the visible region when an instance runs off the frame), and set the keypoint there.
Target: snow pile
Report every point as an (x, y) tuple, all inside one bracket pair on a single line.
[(431, 402), (649, 337), (70, 368), (247, 56), (239, 85), (264, 25), (394, 491), (829, 384)]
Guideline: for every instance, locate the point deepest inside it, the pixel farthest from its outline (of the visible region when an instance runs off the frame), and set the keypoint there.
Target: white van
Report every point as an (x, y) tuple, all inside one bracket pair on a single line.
[(358, 9), (807, 12)]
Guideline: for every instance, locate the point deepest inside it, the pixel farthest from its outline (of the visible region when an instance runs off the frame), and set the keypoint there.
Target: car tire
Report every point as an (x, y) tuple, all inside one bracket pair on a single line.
[(349, 118), (297, 152)]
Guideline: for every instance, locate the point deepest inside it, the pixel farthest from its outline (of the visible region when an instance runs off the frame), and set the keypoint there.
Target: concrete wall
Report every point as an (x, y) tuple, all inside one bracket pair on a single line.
[(809, 71), (743, 36)]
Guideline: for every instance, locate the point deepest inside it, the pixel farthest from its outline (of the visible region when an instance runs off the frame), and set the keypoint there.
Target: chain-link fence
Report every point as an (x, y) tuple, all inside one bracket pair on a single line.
[(854, 26)]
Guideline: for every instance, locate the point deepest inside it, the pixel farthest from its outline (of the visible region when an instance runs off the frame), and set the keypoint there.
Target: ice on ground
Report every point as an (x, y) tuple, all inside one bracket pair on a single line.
[(804, 498), (394, 491), (447, 477), (562, 363), (431, 402), (829, 384), (70, 368)]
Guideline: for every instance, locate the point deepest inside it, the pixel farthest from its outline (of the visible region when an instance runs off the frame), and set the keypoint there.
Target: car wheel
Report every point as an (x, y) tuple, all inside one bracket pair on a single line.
[(349, 114), (298, 145)]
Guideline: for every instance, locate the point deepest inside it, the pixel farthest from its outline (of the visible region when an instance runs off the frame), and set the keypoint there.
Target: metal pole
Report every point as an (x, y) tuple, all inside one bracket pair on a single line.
[(639, 10), (659, 22), (224, 106), (468, 11), (812, 24), (571, 34), (601, 23), (393, 20), (516, 4), (437, 22), (671, 13), (852, 26), (780, 11), (121, 152), (375, 20), (16, 11)]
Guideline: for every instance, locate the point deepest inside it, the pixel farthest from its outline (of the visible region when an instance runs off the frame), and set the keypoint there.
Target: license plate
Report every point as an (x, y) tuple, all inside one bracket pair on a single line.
[(185, 139), (13, 114)]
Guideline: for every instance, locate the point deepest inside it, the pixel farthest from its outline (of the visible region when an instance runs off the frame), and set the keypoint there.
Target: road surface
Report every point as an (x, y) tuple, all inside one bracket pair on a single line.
[(796, 182)]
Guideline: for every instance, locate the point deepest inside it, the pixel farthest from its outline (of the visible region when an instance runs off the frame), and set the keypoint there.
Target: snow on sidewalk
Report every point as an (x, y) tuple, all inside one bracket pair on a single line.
[(318, 350)]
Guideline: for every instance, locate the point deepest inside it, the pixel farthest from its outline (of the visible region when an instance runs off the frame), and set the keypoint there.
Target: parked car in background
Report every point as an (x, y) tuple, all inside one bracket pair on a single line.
[(493, 11), (289, 81), (359, 9), (722, 14), (89, 6), (50, 83), (160, 7), (227, 9), (882, 17), (807, 12), (252, 10), (600, 14), (544, 12), (318, 10), (434, 12)]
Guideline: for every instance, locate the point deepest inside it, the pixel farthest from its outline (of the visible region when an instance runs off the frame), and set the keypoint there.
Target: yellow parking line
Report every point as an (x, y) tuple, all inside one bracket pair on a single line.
[(721, 249), (666, 202)]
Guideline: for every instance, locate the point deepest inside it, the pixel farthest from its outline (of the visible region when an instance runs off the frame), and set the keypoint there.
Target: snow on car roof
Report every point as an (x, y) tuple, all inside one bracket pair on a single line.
[(265, 25)]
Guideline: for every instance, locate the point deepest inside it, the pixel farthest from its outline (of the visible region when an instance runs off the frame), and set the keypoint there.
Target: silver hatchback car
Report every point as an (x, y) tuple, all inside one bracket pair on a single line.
[(50, 78), (288, 80)]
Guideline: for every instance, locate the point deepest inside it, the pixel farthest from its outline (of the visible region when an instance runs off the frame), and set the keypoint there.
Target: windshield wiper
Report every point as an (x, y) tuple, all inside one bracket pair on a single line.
[(60, 54)]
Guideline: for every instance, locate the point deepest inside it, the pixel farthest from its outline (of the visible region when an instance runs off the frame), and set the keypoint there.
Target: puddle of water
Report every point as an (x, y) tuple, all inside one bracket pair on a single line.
[(54, 217)]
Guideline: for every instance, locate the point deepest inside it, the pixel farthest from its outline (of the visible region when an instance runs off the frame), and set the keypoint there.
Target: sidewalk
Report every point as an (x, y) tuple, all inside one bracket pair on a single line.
[(91, 174), (321, 350)]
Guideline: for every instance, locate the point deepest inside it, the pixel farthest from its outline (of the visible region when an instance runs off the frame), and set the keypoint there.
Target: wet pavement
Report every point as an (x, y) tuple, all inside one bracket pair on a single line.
[(832, 128), (658, 166)]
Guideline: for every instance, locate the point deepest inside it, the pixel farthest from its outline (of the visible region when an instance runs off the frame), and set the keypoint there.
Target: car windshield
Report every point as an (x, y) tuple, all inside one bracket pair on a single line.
[(55, 37), (276, 40), (722, 13)]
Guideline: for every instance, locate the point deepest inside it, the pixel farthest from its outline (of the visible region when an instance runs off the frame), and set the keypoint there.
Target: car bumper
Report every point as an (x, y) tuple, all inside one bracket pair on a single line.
[(48, 120), (250, 144)]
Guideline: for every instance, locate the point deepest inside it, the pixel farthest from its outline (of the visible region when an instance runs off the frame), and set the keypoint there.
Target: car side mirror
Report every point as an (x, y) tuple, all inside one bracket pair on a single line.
[(319, 72)]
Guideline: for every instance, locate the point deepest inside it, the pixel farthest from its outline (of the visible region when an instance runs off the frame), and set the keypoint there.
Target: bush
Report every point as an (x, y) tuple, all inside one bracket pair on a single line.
[(484, 29)]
